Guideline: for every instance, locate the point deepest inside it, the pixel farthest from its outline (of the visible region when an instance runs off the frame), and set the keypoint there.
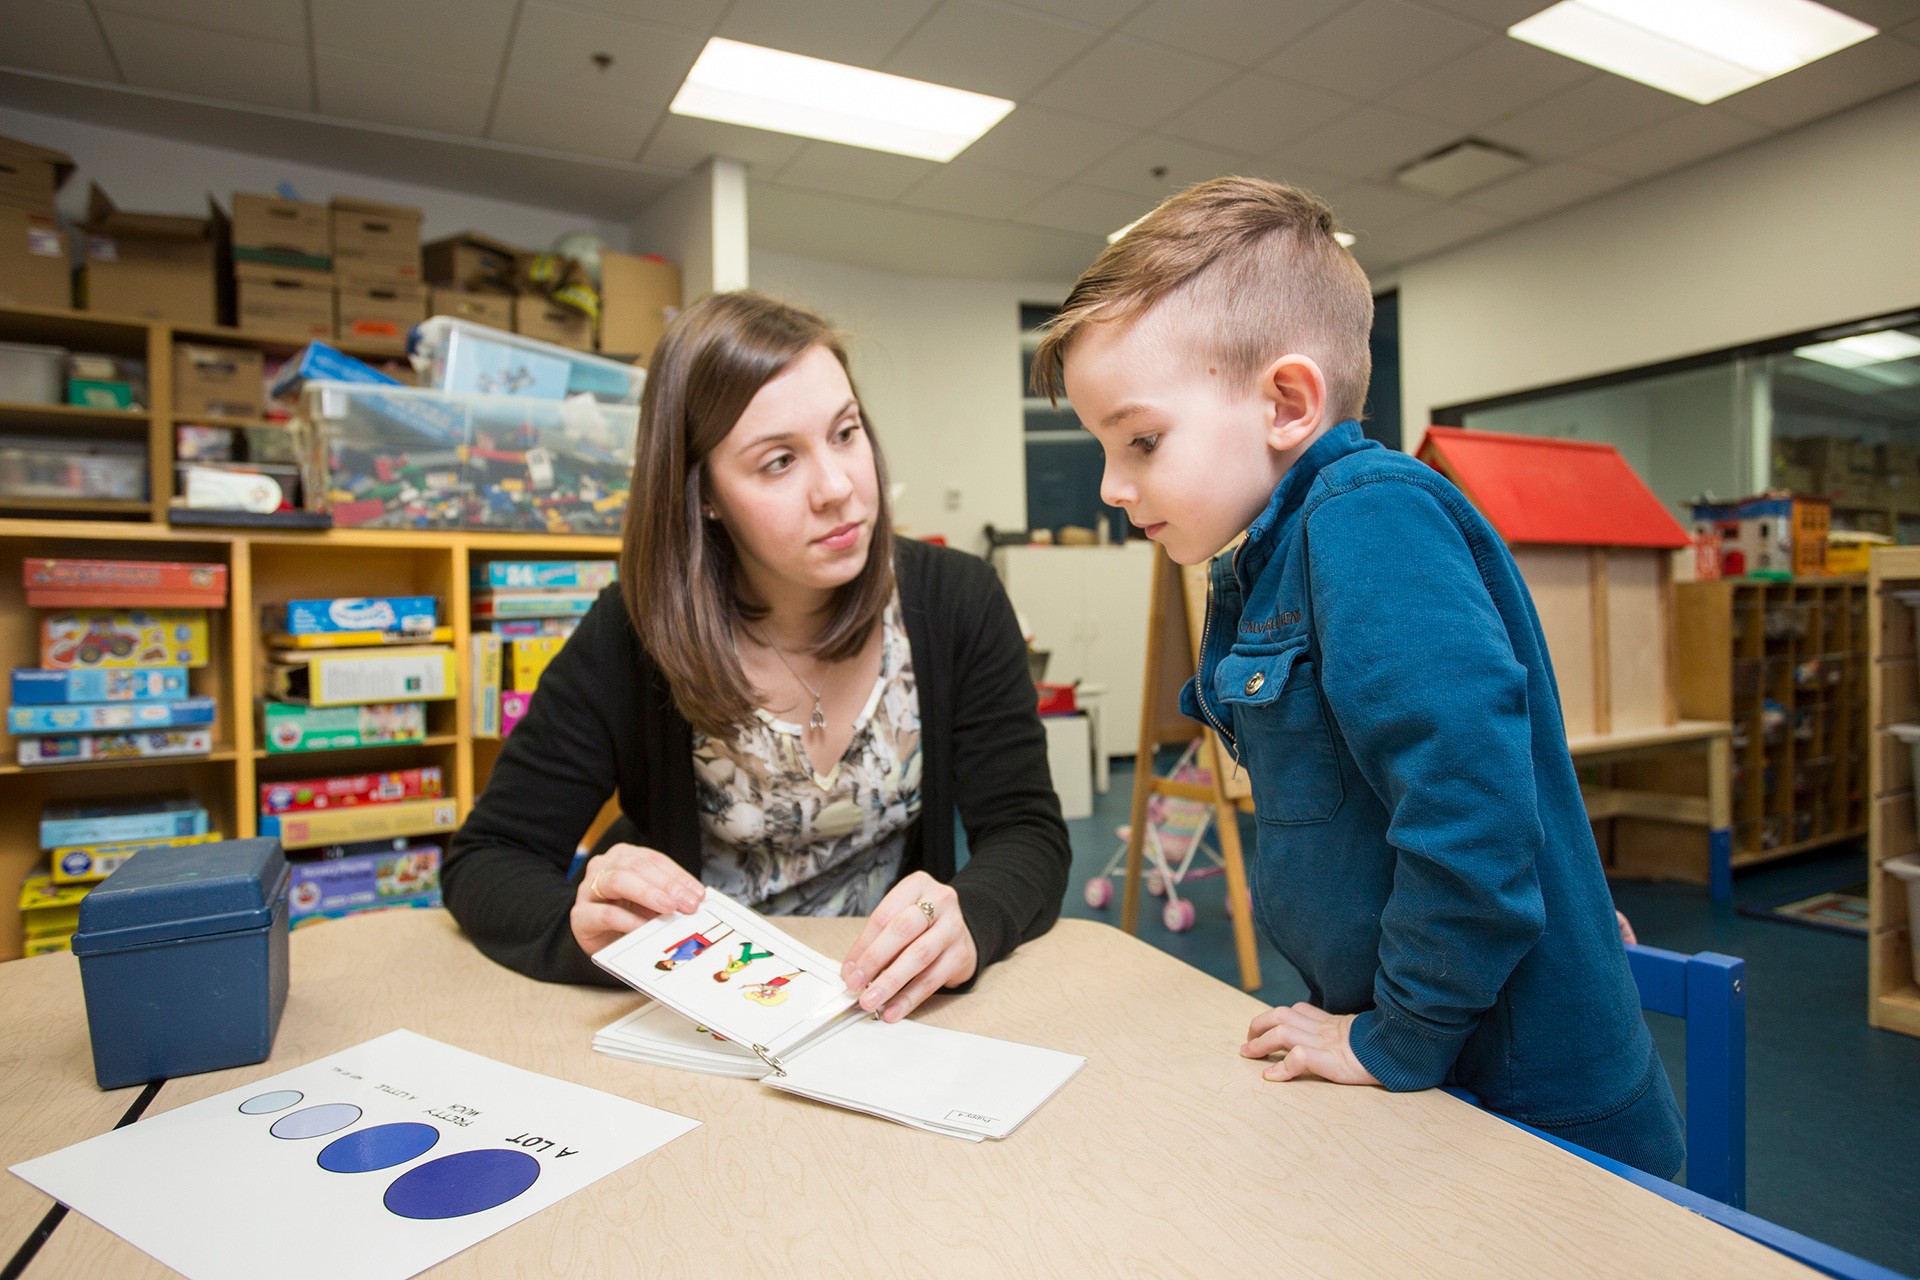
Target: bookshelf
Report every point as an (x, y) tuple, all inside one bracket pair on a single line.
[(1893, 989), (265, 567)]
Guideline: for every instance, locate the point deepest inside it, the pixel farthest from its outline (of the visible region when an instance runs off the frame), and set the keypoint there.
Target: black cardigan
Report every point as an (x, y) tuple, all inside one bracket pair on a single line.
[(604, 723)]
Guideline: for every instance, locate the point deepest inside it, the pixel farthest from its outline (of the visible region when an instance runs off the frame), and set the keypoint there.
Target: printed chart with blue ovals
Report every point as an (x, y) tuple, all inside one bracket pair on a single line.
[(315, 1122), (266, 1104), (463, 1183), (380, 1146)]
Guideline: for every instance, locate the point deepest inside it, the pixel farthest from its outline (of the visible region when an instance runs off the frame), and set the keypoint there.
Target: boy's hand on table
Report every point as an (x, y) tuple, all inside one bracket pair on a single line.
[(915, 943), (1313, 1042)]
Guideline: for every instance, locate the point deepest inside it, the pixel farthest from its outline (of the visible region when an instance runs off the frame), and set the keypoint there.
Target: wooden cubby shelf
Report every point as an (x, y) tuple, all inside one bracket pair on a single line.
[(1893, 997)]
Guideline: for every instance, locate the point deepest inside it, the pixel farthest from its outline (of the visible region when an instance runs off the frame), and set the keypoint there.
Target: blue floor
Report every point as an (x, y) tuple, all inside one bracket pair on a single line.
[(1833, 1107)]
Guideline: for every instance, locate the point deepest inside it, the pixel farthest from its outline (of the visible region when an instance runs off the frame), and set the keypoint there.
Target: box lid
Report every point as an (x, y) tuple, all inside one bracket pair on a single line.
[(106, 218), (186, 891), (62, 162)]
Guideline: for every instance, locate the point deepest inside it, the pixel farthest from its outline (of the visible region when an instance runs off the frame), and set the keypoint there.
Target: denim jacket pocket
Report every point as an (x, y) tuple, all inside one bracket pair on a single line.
[(1280, 724)]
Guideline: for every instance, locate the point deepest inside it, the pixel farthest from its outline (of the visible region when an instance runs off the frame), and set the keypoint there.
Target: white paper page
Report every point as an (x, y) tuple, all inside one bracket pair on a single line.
[(376, 1162), (655, 1033), (727, 967), (908, 1071)]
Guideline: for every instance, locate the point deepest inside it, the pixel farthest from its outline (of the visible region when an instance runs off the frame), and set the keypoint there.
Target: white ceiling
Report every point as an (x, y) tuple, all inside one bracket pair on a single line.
[(501, 97)]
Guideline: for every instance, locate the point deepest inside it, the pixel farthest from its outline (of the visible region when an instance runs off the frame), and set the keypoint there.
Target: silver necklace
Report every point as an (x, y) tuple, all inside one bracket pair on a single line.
[(818, 720)]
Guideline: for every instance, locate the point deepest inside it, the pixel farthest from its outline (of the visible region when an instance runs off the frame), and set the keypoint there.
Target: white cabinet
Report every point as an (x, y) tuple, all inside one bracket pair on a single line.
[(1088, 607)]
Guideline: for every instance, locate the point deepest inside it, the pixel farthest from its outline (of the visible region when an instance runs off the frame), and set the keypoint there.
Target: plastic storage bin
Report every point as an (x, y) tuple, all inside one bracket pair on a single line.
[(472, 359), (183, 958), (413, 458), (32, 375), (45, 467)]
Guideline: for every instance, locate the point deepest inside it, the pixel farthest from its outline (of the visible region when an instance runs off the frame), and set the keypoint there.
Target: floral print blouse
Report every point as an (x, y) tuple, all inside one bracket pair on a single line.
[(788, 841)]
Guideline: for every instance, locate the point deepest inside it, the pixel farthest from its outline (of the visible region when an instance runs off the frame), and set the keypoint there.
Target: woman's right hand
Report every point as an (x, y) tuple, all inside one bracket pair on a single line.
[(624, 888)]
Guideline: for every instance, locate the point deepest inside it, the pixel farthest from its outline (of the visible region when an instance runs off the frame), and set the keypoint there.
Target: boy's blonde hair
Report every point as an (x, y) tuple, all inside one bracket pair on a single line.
[(1255, 264)]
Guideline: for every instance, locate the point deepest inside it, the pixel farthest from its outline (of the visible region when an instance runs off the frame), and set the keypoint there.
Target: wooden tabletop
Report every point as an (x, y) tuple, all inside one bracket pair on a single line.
[(1167, 1155)]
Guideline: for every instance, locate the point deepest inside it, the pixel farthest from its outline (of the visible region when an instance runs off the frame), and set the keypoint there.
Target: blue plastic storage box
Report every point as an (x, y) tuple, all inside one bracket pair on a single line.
[(183, 956)]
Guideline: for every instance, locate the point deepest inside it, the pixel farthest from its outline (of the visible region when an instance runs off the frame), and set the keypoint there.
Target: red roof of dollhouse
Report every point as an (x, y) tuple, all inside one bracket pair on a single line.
[(1557, 492)]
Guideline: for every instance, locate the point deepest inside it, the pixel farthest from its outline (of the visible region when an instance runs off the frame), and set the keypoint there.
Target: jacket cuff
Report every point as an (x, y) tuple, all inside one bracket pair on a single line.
[(1402, 1054)]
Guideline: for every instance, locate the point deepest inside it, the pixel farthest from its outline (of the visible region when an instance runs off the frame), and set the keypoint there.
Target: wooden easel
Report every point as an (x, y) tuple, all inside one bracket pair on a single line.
[(1174, 620)]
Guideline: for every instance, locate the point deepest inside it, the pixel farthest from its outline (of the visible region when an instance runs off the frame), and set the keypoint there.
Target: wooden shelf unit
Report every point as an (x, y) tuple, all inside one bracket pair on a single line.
[(265, 567), (1786, 663), (1893, 994)]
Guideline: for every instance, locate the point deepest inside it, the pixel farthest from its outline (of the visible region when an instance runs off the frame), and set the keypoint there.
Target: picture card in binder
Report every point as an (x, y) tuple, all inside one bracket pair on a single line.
[(752, 1001)]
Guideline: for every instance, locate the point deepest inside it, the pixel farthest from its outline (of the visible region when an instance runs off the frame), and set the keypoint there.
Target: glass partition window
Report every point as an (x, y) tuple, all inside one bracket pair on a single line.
[(1846, 422)]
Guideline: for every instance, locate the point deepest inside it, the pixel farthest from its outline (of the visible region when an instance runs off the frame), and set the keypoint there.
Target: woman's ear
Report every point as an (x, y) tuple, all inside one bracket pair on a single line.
[(1296, 394)]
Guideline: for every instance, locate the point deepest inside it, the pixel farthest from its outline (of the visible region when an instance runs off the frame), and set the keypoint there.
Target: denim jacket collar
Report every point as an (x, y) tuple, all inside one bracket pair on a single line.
[(1336, 443)]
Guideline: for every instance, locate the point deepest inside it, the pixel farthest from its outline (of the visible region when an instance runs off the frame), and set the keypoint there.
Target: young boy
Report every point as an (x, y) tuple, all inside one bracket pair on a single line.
[(1372, 659)]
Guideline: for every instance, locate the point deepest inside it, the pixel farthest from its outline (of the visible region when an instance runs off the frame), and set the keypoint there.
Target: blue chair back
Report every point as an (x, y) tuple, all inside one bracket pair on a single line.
[(1709, 991)]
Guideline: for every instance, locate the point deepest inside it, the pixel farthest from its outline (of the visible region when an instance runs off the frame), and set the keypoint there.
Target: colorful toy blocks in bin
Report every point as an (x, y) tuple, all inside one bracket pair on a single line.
[(404, 458), (407, 876), (288, 727), (124, 638), (61, 584), (183, 960), (350, 789)]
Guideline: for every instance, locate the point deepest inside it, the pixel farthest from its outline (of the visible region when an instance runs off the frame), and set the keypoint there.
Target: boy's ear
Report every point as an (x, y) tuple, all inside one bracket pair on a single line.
[(1296, 395)]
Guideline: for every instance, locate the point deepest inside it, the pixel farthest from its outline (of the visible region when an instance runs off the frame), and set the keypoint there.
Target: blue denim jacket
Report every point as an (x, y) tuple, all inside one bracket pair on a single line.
[(1373, 660)]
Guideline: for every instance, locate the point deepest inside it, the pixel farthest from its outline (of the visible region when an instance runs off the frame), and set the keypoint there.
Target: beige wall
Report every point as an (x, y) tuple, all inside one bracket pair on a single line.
[(1815, 227)]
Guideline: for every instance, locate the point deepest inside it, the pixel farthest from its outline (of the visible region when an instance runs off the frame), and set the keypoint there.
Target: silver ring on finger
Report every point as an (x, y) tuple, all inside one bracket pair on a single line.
[(927, 909)]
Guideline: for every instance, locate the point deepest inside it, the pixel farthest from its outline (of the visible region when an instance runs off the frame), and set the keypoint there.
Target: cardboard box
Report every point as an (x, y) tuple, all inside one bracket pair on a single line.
[(473, 262), (30, 176), (346, 790), (531, 657), (361, 822), (350, 677), (288, 727), (374, 241), (379, 312), (123, 638), (492, 309), (218, 382), (35, 268), (281, 233), (332, 887), (639, 295), (540, 318), (289, 302), (151, 266), (80, 864)]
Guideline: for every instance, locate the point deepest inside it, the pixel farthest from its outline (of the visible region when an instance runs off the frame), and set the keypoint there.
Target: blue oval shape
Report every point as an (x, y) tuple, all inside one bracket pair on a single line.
[(380, 1147), (315, 1122), (463, 1183)]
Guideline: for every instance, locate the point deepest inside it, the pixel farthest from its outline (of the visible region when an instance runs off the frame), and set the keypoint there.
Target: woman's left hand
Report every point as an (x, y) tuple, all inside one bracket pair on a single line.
[(915, 943)]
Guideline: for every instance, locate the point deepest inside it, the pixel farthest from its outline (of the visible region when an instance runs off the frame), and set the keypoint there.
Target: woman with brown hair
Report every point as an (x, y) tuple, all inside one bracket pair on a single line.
[(790, 704)]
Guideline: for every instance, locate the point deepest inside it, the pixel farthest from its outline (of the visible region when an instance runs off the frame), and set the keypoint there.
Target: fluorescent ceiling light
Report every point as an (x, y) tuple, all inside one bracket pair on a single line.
[(1863, 349), (1701, 50), (738, 83)]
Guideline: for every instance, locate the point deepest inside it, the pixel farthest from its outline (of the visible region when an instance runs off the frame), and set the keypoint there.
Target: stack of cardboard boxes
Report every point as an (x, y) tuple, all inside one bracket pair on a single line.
[(475, 277), (1856, 475), (33, 248), (378, 292), (151, 266)]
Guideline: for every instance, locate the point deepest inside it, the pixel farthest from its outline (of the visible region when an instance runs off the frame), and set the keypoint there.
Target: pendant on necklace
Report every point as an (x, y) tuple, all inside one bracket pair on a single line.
[(818, 720)]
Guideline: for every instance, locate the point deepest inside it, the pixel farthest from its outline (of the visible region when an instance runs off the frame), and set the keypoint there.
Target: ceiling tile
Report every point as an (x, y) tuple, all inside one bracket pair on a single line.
[(975, 189), (1374, 47), (1089, 210), (1495, 15), (1542, 190), (682, 142), (699, 16), (853, 171), (209, 64), (1097, 13), (1370, 143), (988, 49), (1131, 167), (565, 120), (1911, 32), (1132, 82), (860, 32), (1845, 79), (465, 37), (60, 38), (1581, 118), (1047, 144), (1372, 207), (282, 20), (1238, 31), (1440, 228), (554, 48), (401, 94), (1684, 139), (1482, 85), (1256, 113), (1879, 13)]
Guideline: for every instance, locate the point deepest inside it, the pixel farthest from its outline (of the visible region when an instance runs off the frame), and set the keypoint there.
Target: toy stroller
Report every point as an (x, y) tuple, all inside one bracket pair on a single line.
[(1174, 840)]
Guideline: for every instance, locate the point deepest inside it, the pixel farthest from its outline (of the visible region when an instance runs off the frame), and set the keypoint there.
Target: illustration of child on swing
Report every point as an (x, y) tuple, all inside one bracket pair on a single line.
[(746, 957), (687, 948), (771, 992)]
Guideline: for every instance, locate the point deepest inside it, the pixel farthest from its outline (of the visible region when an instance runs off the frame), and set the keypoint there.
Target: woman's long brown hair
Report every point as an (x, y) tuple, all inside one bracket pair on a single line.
[(677, 570)]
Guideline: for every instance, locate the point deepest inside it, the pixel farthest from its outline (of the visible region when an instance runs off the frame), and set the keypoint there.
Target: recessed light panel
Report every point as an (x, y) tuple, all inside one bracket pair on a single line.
[(745, 84)]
